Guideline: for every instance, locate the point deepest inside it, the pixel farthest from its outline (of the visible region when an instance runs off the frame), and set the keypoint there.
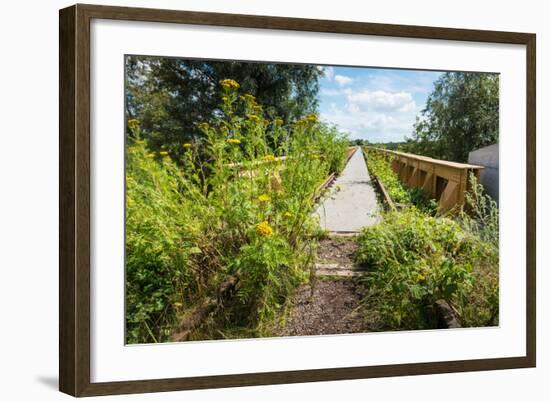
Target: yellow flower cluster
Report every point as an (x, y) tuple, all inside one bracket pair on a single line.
[(203, 126), (263, 229), (312, 118), (249, 97), (163, 153), (133, 124), (268, 158), (233, 140), (187, 146), (229, 84), (420, 278), (264, 198)]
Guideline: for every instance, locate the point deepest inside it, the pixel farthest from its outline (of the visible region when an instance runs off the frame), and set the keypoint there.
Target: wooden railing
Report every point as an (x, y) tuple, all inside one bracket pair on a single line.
[(446, 181)]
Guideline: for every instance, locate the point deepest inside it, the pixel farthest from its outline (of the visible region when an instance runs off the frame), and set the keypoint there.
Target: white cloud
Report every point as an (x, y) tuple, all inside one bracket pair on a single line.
[(378, 116), (381, 101), (342, 80), (328, 72)]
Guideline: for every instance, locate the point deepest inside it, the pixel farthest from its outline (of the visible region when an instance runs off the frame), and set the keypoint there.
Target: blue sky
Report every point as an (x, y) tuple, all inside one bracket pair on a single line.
[(376, 104)]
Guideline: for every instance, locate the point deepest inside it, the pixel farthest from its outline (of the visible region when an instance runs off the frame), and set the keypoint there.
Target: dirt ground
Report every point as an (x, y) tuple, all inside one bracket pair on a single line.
[(333, 308), (333, 305), (339, 250)]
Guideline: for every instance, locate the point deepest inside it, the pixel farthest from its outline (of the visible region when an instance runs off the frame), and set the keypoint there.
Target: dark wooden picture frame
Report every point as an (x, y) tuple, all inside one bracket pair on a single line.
[(74, 203)]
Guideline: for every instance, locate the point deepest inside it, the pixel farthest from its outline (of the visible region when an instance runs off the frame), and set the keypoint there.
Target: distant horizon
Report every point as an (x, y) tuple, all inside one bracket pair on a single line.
[(374, 104)]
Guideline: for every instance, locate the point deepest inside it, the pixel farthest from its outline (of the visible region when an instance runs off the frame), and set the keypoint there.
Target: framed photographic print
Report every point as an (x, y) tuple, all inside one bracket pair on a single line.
[(250, 200)]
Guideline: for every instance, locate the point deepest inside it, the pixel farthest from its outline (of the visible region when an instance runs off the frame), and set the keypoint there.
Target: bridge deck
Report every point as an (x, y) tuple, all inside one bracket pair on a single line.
[(352, 202)]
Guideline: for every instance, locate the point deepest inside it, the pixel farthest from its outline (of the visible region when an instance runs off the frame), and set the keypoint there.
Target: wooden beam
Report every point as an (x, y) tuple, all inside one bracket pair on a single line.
[(449, 196), (409, 168), (428, 184)]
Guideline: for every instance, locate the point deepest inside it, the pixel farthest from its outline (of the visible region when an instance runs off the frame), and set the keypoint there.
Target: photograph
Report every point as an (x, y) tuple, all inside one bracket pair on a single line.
[(271, 199)]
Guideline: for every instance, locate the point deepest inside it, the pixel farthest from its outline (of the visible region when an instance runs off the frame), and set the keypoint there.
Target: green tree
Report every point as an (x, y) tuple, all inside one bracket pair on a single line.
[(169, 96), (461, 115)]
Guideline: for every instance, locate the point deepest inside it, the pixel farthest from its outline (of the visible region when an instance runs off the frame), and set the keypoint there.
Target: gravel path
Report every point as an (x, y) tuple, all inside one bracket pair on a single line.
[(332, 308), (352, 202), (333, 304)]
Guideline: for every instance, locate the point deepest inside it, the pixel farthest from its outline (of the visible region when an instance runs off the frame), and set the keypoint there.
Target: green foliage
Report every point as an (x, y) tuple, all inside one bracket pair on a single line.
[(480, 216), (230, 207), (379, 165), (461, 115), (415, 260), (170, 95), (388, 145), (159, 241)]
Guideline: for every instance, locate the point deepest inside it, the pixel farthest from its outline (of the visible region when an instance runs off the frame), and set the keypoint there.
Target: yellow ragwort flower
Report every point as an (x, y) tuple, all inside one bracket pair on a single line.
[(249, 97), (133, 124), (312, 118), (187, 146), (263, 229), (229, 84), (203, 126), (268, 158), (233, 140), (163, 153), (264, 198)]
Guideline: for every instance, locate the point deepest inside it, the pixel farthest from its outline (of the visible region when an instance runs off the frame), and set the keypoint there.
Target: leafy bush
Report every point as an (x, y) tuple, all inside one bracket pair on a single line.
[(159, 241), (415, 260), (229, 207)]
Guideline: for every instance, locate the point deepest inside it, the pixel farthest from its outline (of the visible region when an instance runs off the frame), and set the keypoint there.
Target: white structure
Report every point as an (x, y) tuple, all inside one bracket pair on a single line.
[(488, 158)]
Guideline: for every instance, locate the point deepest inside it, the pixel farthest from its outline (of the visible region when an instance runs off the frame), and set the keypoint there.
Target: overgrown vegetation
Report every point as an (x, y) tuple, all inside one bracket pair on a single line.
[(170, 95), (415, 259), (230, 207), (379, 165)]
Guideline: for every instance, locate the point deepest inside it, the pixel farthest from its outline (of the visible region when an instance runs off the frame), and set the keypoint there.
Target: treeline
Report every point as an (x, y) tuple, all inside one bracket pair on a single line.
[(461, 115), (169, 96)]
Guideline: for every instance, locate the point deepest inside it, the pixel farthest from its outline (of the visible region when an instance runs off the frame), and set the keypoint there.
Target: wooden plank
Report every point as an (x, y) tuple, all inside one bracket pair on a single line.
[(408, 168), (385, 194), (412, 156), (449, 197), (429, 184)]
